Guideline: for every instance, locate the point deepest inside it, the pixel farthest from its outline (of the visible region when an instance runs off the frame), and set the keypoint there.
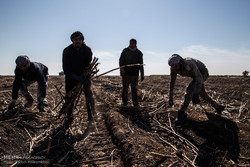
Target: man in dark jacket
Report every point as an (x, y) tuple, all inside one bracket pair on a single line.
[(27, 72), (197, 70), (129, 56), (76, 61)]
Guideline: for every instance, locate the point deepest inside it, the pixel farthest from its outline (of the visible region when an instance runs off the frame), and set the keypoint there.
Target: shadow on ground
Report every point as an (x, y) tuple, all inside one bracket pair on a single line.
[(137, 116), (217, 138)]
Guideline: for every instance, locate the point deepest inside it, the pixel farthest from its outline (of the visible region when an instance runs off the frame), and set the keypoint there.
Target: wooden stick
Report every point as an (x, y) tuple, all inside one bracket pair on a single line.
[(58, 104), (61, 160), (112, 157), (185, 157), (162, 155), (31, 142), (129, 126), (13, 164), (59, 91), (130, 65), (9, 120)]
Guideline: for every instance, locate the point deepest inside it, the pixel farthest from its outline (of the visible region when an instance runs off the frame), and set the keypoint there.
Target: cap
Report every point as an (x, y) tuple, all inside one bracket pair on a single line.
[(174, 59), (22, 60)]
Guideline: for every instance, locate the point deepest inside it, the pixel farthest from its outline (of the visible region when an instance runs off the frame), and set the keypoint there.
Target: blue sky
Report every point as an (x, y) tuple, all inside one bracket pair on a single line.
[(217, 32)]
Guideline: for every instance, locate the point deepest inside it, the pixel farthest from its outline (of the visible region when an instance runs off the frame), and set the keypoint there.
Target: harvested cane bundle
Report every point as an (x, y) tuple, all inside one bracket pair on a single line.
[(73, 96)]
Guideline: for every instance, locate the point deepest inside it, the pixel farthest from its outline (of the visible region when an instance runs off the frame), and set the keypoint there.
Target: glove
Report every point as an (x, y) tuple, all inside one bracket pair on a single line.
[(142, 78), (12, 104), (171, 102), (44, 102), (80, 79), (195, 98)]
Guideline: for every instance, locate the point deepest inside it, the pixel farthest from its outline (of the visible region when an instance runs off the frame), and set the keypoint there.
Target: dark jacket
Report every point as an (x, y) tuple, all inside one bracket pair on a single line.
[(75, 62), (36, 72), (191, 68), (132, 57)]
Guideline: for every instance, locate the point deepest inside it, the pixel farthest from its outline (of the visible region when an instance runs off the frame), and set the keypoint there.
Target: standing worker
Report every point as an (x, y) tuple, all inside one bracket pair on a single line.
[(197, 70), (76, 62), (129, 56), (26, 73)]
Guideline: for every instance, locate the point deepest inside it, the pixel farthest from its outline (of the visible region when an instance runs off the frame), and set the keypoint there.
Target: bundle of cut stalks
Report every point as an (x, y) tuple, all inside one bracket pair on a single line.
[(73, 96)]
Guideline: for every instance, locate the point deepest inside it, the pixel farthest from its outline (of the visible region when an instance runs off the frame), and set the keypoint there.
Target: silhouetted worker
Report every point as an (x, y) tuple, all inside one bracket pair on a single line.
[(76, 61), (197, 70), (131, 55), (26, 73)]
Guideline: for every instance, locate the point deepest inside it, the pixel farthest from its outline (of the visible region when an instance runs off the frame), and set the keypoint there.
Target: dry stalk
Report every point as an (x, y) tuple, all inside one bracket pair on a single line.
[(58, 90), (13, 164), (129, 65), (175, 149), (184, 156), (97, 159), (31, 142), (161, 155), (157, 109), (9, 120), (172, 164), (61, 160), (129, 126), (223, 158), (181, 138), (112, 157), (46, 133), (144, 93), (242, 106), (46, 150)]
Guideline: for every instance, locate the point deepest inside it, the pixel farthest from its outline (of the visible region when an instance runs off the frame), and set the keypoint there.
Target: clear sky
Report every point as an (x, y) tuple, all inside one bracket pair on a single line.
[(217, 32)]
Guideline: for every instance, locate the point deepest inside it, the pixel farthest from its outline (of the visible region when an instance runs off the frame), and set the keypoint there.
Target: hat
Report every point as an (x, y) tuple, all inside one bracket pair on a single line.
[(22, 60), (174, 59)]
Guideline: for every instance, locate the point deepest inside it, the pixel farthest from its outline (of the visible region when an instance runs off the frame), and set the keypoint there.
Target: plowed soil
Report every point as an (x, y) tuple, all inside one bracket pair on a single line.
[(128, 136)]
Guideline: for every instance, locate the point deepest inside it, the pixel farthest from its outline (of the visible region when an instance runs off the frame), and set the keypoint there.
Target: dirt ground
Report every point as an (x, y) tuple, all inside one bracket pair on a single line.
[(126, 136)]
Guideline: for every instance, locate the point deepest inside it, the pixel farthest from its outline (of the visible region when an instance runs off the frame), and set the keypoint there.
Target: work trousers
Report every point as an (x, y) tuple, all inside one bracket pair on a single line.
[(24, 90), (133, 81), (203, 94), (90, 103)]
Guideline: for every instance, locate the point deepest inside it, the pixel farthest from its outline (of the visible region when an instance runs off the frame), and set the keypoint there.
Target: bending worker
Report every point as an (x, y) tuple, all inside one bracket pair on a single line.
[(26, 73), (197, 70)]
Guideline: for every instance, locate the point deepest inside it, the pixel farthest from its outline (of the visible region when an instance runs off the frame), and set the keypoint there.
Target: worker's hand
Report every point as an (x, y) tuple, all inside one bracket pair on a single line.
[(12, 104), (195, 98), (142, 77), (171, 101), (44, 102), (80, 79)]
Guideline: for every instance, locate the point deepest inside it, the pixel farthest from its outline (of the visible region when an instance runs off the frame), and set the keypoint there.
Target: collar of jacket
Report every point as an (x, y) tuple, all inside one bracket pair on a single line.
[(132, 49)]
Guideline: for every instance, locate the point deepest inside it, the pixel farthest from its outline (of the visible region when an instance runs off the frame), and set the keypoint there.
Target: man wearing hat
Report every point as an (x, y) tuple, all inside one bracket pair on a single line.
[(27, 72), (197, 70), (76, 60)]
